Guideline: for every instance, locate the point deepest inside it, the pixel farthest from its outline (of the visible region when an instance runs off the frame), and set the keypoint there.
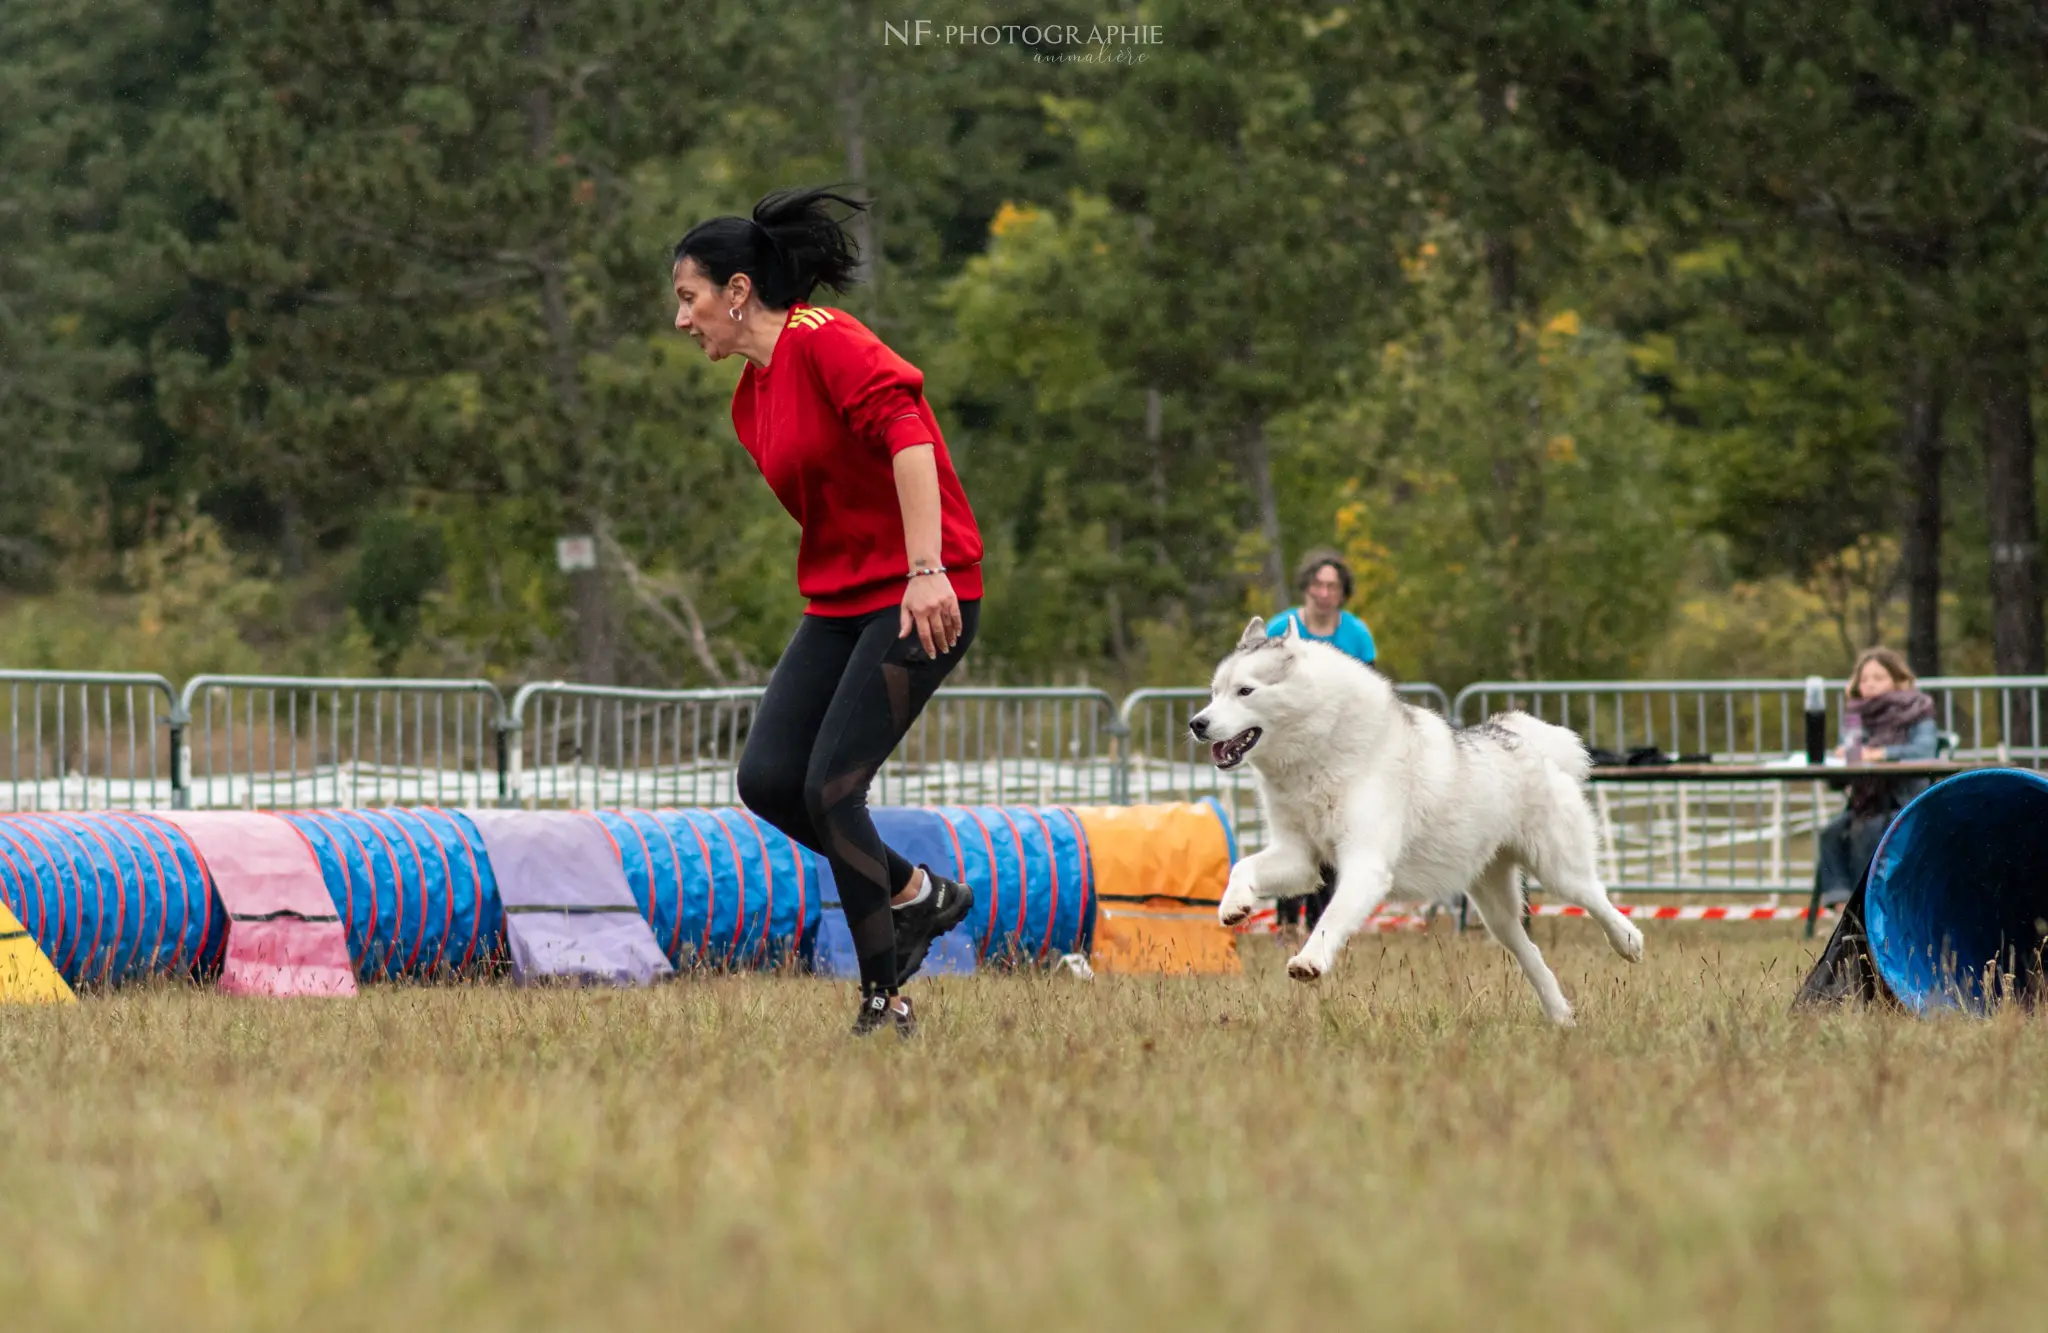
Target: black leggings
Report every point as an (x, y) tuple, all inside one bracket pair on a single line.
[(839, 701)]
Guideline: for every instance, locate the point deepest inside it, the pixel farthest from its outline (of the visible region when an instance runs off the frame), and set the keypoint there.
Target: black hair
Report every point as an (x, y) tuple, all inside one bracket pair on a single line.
[(1313, 563), (791, 244)]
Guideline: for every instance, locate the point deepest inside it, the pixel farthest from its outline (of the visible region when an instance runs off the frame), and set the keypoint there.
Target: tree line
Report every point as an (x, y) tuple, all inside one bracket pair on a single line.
[(1603, 338)]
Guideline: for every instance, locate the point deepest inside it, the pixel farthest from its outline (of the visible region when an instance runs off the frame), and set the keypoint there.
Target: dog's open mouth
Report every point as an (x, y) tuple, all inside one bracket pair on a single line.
[(1231, 753)]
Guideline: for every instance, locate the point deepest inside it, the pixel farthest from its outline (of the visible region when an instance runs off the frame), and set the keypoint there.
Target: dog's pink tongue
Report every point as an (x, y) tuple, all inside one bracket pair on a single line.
[(1216, 752)]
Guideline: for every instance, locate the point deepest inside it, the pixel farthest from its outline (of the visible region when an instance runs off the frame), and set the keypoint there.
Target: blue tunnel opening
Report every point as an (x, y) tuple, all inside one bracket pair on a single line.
[(1959, 884)]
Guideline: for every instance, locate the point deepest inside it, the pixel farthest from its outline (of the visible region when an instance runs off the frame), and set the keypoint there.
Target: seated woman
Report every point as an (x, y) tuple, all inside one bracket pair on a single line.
[(1897, 724)]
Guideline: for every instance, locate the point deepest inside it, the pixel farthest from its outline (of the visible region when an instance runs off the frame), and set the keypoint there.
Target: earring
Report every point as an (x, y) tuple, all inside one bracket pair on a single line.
[(734, 311)]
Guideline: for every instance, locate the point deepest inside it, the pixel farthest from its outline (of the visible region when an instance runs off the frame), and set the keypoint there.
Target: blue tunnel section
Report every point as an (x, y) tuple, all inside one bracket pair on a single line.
[(924, 838), (1961, 882), (1034, 890), (413, 888), (719, 888), (1040, 891), (110, 896)]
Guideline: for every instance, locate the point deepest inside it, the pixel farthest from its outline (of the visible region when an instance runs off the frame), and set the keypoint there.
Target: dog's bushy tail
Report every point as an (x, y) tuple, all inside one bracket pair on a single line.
[(1559, 746)]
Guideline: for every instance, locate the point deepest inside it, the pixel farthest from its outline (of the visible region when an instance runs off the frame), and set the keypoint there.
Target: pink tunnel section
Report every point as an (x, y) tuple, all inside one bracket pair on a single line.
[(284, 937)]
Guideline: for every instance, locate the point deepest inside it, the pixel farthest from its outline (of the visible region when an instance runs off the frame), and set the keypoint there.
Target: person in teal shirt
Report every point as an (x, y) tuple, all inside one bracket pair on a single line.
[(1325, 583)]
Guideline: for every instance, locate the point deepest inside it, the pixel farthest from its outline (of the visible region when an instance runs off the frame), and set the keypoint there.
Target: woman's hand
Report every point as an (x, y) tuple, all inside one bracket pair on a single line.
[(929, 603), (1873, 754), (930, 606)]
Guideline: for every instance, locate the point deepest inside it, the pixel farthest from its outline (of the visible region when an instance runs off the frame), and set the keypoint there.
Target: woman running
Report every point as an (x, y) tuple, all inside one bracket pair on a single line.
[(889, 560)]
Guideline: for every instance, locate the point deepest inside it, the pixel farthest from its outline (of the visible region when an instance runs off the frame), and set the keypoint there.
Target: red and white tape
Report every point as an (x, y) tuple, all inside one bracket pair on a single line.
[(1262, 922), (1650, 912)]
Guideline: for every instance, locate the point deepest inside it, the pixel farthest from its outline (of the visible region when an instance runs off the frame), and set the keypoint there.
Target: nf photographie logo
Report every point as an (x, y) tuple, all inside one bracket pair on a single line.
[(1115, 42)]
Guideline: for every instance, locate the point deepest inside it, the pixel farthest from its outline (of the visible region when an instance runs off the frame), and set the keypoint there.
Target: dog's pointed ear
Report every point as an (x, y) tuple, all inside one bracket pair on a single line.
[(1286, 629), (1254, 635)]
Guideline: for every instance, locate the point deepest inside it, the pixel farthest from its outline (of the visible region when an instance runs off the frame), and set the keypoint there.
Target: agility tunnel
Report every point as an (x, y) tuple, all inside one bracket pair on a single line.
[(1029, 867), (110, 897), (1034, 888), (924, 837), (1160, 872), (284, 935), (414, 888), (309, 902), (720, 888), (1953, 910)]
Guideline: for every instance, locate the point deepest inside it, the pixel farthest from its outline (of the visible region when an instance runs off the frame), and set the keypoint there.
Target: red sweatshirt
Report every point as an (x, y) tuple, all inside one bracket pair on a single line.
[(824, 423)]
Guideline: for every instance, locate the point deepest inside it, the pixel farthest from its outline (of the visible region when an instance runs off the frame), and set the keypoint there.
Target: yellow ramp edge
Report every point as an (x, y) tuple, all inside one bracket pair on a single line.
[(26, 976)]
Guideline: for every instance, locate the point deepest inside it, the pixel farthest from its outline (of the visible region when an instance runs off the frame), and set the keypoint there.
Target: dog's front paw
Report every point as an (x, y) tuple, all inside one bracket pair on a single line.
[(1303, 967), (1238, 903)]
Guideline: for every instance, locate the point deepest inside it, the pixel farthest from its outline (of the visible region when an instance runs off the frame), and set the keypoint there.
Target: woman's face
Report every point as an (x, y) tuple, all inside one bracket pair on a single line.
[(1874, 680), (701, 306), (1325, 590)]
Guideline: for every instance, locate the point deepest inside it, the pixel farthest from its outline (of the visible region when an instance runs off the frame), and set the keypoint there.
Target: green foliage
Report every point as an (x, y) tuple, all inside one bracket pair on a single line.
[(402, 559), (1511, 504), (191, 607), (383, 289), (80, 201)]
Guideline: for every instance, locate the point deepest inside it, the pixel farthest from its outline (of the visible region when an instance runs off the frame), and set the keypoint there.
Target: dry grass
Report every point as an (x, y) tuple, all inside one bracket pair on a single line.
[(1408, 1147)]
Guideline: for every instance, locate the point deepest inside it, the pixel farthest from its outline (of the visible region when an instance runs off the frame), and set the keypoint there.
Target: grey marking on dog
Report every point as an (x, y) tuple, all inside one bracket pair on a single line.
[(1489, 731)]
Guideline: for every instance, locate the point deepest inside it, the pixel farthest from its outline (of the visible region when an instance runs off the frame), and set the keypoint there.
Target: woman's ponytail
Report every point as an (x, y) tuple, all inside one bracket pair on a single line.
[(790, 246)]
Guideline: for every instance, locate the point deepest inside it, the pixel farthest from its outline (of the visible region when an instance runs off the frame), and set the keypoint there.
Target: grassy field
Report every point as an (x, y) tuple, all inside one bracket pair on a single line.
[(1406, 1147)]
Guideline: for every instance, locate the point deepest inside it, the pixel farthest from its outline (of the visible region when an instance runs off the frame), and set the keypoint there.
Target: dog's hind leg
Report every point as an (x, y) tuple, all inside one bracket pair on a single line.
[(1499, 902), (1564, 857), (1589, 893), (1362, 884)]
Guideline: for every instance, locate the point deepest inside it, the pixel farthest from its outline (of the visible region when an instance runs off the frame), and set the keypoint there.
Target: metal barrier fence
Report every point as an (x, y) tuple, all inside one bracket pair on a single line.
[(1164, 764), (82, 740), (1991, 718), (1741, 837), (585, 746), (291, 742)]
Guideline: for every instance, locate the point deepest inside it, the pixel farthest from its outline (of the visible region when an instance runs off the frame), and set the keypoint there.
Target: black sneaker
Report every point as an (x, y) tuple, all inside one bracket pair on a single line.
[(945, 907), (879, 1011)]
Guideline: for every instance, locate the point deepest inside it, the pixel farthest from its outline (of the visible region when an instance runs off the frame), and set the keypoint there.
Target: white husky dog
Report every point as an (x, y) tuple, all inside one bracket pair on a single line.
[(1393, 797)]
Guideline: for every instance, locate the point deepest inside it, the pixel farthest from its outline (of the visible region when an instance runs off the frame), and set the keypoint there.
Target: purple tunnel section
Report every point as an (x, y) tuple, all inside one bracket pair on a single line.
[(719, 888), (569, 913)]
